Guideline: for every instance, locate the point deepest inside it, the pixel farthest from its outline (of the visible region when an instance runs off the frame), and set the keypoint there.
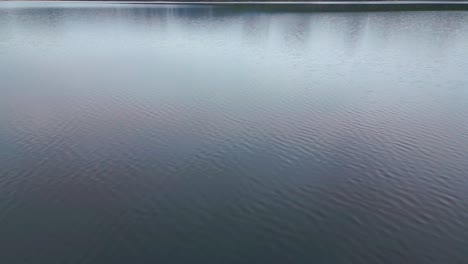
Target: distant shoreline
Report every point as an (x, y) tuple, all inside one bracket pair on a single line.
[(300, 6), (341, 2)]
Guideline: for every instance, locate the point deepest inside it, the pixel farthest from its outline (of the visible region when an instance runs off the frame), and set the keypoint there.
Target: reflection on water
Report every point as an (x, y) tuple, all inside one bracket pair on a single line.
[(210, 134)]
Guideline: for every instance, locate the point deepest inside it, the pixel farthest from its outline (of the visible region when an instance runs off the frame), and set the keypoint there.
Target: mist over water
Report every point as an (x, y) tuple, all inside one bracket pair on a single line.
[(210, 134)]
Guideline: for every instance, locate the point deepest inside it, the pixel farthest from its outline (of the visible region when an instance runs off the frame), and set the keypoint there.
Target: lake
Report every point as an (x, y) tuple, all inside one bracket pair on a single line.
[(212, 134)]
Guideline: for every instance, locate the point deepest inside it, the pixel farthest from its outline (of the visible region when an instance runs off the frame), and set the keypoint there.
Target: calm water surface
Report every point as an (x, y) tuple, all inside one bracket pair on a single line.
[(188, 134)]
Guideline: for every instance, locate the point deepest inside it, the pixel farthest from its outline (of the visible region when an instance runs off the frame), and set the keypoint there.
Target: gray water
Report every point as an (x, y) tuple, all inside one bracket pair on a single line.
[(210, 134)]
